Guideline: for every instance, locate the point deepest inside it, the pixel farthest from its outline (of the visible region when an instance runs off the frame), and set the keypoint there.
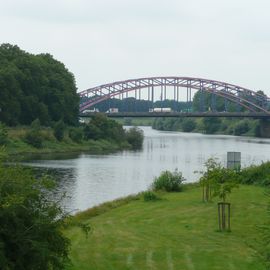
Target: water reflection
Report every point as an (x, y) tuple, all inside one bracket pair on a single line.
[(92, 179)]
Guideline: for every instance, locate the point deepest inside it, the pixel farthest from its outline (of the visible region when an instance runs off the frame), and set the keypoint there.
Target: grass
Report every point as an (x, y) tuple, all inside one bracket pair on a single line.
[(177, 232)]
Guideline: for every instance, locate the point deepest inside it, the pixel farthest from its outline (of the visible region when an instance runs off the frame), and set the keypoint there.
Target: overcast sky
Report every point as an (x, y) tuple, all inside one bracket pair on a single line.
[(102, 41)]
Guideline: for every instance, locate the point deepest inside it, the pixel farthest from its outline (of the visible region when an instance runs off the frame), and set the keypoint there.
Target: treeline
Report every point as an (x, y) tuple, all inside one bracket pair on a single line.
[(35, 87), (210, 125), (131, 104)]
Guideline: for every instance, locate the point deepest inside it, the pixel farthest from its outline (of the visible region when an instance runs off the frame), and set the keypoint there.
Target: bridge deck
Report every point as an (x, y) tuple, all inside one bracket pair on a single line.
[(257, 115)]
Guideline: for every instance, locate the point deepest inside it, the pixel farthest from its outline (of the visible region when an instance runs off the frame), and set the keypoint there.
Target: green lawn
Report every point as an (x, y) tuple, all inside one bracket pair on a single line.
[(177, 232)]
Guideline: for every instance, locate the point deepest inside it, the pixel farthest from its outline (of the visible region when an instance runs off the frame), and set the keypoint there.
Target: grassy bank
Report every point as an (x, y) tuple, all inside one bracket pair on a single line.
[(177, 232)]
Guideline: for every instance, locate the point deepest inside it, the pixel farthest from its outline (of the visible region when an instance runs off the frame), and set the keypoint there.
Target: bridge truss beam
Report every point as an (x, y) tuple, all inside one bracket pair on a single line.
[(249, 99)]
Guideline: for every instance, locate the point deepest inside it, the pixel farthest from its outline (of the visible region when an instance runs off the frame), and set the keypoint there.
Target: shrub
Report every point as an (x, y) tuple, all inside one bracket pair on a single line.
[(3, 134), (258, 175), (76, 134), (59, 130), (169, 181), (35, 125), (91, 132), (150, 196), (135, 137), (34, 138)]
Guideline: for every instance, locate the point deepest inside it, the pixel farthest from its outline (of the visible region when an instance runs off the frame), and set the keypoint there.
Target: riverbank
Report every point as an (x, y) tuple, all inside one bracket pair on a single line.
[(176, 232), (16, 147)]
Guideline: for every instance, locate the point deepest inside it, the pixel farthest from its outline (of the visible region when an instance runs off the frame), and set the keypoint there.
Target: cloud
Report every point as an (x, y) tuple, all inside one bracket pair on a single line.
[(108, 40)]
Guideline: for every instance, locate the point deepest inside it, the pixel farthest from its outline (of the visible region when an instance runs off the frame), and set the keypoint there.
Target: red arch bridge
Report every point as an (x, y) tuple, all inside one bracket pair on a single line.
[(247, 103)]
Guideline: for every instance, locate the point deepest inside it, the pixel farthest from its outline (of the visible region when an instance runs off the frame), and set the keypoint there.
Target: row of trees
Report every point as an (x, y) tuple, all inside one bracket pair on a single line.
[(131, 104), (35, 86), (209, 125)]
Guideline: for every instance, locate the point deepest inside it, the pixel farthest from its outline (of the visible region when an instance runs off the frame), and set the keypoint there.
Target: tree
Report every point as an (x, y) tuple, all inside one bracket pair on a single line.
[(135, 137), (219, 182), (31, 234), (35, 86), (211, 124), (208, 179), (188, 125)]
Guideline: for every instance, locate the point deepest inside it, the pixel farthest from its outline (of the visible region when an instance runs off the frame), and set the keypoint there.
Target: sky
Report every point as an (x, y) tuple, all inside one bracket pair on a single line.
[(102, 41)]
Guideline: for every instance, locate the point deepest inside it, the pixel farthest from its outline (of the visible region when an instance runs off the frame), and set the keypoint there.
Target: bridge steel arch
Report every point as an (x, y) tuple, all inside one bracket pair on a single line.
[(249, 99)]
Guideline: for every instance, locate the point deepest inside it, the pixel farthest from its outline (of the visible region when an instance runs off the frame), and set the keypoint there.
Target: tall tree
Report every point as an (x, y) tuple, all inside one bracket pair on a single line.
[(35, 86)]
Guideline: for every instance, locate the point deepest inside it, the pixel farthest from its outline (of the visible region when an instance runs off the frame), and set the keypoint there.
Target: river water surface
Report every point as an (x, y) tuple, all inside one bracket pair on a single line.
[(89, 180)]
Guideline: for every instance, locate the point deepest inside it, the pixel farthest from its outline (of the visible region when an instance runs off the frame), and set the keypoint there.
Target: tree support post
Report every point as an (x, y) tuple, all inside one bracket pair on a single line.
[(224, 216)]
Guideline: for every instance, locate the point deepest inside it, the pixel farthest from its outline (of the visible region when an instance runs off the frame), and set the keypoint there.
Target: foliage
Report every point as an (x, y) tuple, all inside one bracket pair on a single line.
[(35, 86), (169, 181), (258, 175), (230, 126), (217, 181), (34, 136), (132, 104), (101, 127), (36, 125), (3, 134), (208, 103), (241, 127), (134, 137), (188, 125), (76, 134), (150, 196), (211, 124), (59, 130), (31, 225)]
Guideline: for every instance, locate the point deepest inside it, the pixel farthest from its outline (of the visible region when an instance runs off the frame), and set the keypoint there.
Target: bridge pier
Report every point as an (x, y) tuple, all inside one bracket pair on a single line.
[(264, 128)]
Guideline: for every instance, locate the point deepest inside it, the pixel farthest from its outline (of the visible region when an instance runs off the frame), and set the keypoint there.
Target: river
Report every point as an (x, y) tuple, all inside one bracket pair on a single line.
[(89, 180)]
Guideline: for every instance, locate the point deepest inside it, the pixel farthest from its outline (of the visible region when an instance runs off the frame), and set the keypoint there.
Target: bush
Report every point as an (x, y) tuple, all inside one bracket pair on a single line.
[(76, 134), (35, 125), (150, 196), (135, 137), (59, 130), (258, 175), (34, 138), (3, 134), (169, 181)]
